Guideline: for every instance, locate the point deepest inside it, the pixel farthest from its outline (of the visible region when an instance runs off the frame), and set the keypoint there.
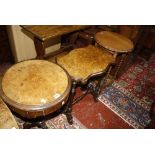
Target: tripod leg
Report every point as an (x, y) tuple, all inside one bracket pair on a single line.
[(68, 108)]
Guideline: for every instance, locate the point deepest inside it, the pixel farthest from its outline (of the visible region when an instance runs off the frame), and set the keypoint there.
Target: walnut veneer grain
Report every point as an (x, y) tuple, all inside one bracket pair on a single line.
[(35, 87), (45, 32), (114, 41), (34, 82), (83, 62), (7, 120)]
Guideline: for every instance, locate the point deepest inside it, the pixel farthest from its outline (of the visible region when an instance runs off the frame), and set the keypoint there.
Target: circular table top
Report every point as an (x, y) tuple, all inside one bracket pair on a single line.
[(114, 41), (35, 83), (84, 62)]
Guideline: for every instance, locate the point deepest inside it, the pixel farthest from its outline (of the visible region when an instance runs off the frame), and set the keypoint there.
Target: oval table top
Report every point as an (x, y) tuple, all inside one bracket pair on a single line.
[(35, 85), (83, 62), (114, 41)]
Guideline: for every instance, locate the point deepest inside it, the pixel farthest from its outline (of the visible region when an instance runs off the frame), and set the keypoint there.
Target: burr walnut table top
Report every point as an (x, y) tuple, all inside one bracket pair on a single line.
[(7, 120), (84, 62), (45, 32), (114, 41), (35, 85)]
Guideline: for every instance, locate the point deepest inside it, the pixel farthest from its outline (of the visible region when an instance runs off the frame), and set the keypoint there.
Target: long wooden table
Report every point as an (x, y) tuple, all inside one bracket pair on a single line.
[(43, 34)]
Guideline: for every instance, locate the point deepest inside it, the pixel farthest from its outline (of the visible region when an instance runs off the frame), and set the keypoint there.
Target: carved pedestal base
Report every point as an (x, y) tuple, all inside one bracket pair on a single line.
[(39, 124)]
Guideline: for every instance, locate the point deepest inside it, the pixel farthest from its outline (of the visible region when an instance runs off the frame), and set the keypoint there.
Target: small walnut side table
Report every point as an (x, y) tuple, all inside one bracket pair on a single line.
[(84, 65), (116, 44)]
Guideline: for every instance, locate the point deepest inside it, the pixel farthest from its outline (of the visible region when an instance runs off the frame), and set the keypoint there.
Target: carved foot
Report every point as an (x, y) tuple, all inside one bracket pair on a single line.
[(29, 125)]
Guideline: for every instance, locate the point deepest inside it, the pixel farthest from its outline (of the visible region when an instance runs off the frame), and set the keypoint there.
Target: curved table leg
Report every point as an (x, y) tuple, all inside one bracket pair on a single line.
[(68, 107), (39, 124), (119, 65), (76, 100), (93, 88), (36, 122)]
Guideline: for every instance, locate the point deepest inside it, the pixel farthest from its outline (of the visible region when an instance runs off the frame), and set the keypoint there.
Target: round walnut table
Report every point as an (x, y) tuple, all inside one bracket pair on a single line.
[(35, 88), (116, 44)]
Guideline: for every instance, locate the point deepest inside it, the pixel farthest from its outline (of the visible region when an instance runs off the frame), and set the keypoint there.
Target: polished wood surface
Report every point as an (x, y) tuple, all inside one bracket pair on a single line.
[(35, 85), (45, 32), (114, 41), (83, 62), (7, 120)]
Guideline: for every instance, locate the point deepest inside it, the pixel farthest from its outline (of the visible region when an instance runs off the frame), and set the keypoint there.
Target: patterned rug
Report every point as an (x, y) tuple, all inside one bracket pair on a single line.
[(132, 95), (58, 122)]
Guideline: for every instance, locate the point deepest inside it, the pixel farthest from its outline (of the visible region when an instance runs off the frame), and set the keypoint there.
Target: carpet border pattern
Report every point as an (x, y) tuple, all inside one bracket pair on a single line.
[(120, 113)]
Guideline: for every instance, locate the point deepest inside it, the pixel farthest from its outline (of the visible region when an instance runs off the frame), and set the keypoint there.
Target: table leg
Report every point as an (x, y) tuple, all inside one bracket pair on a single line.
[(39, 124), (76, 100), (119, 66), (40, 48), (73, 38), (68, 107), (93, 88)]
